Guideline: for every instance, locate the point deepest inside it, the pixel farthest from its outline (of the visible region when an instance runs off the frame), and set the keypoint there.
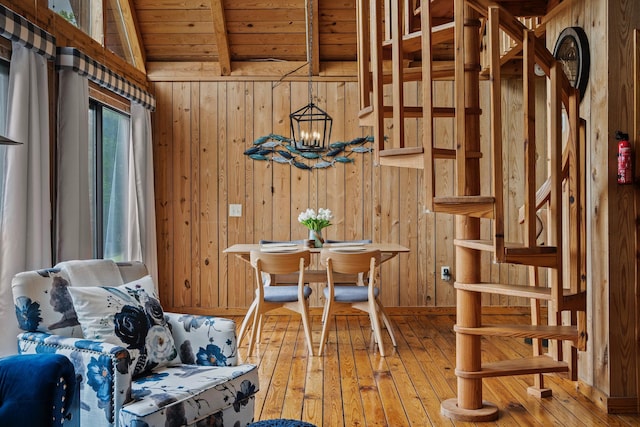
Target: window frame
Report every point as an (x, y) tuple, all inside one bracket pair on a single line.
[(99, 100)]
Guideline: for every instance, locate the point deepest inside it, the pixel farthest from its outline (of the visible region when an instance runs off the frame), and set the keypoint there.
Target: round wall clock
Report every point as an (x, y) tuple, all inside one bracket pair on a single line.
[(572, 50)]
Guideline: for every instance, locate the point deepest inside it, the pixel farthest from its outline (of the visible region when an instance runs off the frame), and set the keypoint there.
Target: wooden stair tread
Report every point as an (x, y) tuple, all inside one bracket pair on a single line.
[(539, 256), (443, 33), (401, 151), (412, 157), (481, 245), (537, 292), (570, 300), (474, 206), (463, 199), (556, 332), (405, 157), (440, 70), (412, 42), (438, 153), (416, 112), (409, 74), (523, 366), (365, 111), (366, 116), (411, 112)]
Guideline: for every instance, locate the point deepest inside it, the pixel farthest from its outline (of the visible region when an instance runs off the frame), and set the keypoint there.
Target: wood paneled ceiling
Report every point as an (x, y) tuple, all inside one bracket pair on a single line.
[(230, 31), (253, 30)]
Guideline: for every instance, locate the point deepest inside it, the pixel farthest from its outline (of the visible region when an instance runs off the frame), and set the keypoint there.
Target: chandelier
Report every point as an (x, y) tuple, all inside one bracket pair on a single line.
[(310, 125)]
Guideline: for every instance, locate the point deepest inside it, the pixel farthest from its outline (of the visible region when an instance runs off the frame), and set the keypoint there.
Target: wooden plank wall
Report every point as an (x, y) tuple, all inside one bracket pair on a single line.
[(608, 368), (201, 130)]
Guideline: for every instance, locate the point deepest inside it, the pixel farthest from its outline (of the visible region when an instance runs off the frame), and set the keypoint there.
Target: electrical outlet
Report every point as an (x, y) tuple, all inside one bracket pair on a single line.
[(235, 210), (445, 273)]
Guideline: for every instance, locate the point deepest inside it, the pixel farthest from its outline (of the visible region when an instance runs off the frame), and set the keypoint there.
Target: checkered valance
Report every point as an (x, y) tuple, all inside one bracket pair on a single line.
[(72, 59), (17, 28)]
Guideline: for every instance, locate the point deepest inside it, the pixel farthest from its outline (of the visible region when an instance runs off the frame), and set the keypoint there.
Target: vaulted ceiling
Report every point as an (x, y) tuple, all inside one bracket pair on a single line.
[(230, 31), (226, 31)]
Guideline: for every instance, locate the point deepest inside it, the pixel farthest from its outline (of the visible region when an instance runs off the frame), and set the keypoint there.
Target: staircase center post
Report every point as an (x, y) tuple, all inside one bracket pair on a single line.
[(469, 405)]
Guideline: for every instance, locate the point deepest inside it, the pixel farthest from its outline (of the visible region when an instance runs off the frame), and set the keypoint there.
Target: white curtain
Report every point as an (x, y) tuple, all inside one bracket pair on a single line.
[(116, 142), (141, 240), (25, 218), (74, 237)]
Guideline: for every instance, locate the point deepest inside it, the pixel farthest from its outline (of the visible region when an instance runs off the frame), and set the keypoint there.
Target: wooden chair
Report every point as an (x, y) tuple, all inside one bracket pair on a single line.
[(252, 307), (360, 275), (270, 296), (363, 298)]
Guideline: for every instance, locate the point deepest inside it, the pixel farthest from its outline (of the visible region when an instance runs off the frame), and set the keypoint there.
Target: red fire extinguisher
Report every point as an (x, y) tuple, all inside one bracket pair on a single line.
[(625, 159)]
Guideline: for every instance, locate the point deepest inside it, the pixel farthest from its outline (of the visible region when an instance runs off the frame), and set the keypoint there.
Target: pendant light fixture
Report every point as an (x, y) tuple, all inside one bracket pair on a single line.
[(310, 125)]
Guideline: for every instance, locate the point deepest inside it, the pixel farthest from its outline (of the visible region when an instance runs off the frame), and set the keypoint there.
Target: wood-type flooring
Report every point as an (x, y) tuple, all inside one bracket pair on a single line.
[(351, 385)]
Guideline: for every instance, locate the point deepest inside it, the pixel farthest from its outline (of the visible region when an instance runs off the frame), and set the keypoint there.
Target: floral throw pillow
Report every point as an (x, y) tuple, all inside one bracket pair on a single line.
[(129, 315)]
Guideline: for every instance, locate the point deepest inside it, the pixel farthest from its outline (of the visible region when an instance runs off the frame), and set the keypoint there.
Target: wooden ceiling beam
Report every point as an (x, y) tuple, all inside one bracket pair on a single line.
[(250, 71), (222, 39), (128, 29), (313, 44)]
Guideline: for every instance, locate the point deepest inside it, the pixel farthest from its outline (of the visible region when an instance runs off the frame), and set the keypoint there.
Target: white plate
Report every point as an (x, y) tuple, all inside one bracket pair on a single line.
[(349, 249), (277, 244), (342, 244), (279, 249)]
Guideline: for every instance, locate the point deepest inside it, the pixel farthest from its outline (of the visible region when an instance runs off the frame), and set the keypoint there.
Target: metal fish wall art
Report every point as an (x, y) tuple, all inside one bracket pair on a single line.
[(280, 149)]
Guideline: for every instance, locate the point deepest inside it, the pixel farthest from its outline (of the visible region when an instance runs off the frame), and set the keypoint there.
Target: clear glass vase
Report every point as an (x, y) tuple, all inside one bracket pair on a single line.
[(315, 236)]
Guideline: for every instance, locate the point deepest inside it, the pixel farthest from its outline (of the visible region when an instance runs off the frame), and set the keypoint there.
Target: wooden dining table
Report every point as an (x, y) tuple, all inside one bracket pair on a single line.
[(243, 251)]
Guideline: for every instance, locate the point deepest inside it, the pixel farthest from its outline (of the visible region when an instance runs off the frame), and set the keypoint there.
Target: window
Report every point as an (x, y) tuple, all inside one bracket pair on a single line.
[(78, 13), (103, 21), (109, 148)]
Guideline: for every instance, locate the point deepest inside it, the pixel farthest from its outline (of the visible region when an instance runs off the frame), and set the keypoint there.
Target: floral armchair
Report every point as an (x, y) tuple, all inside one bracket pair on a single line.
[(138, 366)]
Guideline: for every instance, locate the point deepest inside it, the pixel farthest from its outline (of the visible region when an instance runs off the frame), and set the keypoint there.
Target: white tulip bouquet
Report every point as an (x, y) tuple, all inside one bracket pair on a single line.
[(316, 221)]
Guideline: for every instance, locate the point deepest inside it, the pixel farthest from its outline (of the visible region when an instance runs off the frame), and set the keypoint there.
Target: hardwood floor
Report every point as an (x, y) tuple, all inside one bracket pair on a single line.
[(351, 385)]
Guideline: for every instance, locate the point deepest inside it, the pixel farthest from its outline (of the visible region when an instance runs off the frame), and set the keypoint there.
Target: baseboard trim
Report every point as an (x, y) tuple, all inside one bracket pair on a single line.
[(347, 311), (608, 404)]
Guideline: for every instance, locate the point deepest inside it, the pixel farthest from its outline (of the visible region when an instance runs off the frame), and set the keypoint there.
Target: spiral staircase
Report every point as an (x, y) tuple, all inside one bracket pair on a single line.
[(468, 41)]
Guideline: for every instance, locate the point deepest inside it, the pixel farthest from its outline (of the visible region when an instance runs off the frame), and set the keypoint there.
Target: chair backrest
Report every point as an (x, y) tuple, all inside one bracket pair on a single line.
[(280, 262), (350, 262), (266, 264), (43, 302)]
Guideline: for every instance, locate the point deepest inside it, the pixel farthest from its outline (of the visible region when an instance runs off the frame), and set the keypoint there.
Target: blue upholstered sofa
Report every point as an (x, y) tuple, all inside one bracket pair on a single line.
[(183, 370), (37, 390)]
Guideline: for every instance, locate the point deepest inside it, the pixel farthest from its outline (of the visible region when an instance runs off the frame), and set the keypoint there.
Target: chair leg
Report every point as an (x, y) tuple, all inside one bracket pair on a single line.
[(387, 323), (245, 322), (304, 311), (255, 333), (259, 325), (324, 312), (375, 322), (325, 327)]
